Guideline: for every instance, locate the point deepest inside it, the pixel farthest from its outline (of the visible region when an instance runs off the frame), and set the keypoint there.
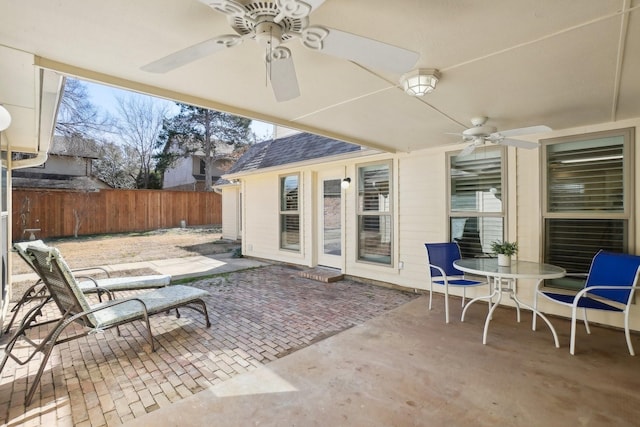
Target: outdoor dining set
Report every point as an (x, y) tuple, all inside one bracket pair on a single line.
[(609, 285)]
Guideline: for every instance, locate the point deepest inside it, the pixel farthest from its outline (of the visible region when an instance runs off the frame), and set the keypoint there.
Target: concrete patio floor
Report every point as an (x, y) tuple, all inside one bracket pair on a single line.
[(407, 368), (282, 351)]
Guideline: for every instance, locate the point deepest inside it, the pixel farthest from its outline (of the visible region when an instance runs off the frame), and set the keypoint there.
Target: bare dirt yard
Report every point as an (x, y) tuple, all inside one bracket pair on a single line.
[(87, 251)]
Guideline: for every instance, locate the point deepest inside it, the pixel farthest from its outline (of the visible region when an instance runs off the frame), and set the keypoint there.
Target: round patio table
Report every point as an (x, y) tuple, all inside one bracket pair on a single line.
[(503, 280)]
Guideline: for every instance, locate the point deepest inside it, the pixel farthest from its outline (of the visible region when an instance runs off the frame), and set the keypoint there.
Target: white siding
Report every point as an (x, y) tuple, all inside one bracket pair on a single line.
[(180, 174), (231, 213), (420, 206)]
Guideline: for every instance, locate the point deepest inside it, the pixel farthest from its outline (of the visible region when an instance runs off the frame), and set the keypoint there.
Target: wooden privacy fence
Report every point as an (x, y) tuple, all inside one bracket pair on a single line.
[(59, 213)]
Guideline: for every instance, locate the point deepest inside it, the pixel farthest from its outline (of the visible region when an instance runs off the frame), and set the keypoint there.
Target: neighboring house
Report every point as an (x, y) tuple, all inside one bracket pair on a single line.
[(68, 167), (561, 202), (188, 172)]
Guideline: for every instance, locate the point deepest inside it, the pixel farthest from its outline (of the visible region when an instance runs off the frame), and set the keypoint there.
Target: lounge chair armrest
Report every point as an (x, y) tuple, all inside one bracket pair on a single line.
[(88, 278), (104, 270), (113, 303)]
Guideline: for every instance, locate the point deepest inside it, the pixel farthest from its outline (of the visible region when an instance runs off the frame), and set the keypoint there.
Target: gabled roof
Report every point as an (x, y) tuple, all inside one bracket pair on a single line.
[(58, 182), (290, 149)]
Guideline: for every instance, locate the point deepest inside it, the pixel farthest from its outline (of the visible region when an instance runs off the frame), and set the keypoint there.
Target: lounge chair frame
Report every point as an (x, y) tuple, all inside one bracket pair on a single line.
[(65, 291), (38, 291)]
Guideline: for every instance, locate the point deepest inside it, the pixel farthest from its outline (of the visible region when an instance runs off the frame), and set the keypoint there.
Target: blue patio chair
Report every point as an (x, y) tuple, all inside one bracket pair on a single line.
[(440, 258), (610, 285)]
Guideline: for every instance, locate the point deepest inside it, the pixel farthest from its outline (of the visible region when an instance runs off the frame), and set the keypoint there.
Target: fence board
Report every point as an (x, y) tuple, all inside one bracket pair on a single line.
[(57, 213)]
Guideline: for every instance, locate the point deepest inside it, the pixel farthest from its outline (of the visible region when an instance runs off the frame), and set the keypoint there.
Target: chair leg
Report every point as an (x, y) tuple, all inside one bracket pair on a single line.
[(464, 295), (535, 309), (627, 334), (585, 320), (430, 294), (28, 296), (52, 341), (446, 303), (572, 345)]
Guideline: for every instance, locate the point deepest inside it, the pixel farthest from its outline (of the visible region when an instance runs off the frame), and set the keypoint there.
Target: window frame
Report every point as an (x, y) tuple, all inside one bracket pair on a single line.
[(628, 177), (283, 212), (502, 214), (389, 215)]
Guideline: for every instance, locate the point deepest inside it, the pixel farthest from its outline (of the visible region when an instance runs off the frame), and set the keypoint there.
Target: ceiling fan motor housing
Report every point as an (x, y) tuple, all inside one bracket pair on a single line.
[(268, 34), (260, 16), (479, 132)]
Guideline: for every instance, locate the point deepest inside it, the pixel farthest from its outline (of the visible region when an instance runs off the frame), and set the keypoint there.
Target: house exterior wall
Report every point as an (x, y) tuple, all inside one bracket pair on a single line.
[(64, 165), (185, 174), (420, 215), (181, 175), (231, 213)]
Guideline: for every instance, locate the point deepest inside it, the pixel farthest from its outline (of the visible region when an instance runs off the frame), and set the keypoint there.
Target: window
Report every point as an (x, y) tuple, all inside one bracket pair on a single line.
[(289, 213), (375, 216), (476, 203), (587, 200)]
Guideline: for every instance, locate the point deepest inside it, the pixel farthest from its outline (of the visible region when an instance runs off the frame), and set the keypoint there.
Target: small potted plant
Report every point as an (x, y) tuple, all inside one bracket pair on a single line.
[(504, 250)]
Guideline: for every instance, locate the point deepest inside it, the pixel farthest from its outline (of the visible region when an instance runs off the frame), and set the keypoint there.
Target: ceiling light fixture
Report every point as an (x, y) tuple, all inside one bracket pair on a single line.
[(420, 81), (5, 118)]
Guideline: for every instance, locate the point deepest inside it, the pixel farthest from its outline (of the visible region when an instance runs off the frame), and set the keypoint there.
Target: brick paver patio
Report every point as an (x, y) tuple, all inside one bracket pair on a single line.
[(257, 316)]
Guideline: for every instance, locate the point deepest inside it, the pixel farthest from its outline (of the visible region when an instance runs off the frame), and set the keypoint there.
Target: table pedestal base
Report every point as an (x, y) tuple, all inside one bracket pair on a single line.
[(499, 287)]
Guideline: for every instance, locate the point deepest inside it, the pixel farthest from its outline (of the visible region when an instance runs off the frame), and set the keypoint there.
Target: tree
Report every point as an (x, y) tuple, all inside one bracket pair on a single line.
[(139, 125), (116, 165), (197, 130), (77, 116)]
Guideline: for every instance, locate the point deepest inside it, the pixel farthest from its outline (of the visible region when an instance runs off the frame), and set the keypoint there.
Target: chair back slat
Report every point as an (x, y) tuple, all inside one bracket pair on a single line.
[(59, 280), (443, 255), (613, 269)]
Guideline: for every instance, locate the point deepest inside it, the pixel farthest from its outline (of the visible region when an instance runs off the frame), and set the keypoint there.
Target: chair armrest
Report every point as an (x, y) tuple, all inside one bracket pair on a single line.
[(586, 290), (97, 288), (442, 273), (104, 306), (104, 270)]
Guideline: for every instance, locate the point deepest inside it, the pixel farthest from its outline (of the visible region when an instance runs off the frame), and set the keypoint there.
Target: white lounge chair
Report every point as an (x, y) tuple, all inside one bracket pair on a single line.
[(74, 308), (38, 292)]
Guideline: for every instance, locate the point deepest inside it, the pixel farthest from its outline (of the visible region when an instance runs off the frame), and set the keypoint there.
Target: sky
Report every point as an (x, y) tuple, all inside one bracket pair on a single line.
[(105, 97)]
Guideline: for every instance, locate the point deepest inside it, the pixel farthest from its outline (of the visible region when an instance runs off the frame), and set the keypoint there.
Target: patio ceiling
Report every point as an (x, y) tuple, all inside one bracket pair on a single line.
[(520, 62)]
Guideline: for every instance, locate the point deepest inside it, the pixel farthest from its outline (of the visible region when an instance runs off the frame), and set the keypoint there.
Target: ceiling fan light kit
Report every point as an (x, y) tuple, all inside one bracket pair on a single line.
[(272, 23), (420, 81)]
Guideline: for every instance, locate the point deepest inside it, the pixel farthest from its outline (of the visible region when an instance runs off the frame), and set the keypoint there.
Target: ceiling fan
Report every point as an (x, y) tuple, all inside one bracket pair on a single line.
[(272, 23), (480, 133)]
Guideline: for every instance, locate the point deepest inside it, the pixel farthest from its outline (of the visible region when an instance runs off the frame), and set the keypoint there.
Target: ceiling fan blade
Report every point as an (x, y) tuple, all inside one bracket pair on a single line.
[(192, 53), (283, 75), (467, 150), (519, 143), (368, 52), (525, 131), (227, 7), (295, 9), (315, 4)]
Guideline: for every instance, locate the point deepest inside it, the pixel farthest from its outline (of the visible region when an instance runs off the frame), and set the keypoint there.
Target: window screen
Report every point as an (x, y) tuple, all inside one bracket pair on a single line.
[(587, 201), (375, 229), (476, 207)]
